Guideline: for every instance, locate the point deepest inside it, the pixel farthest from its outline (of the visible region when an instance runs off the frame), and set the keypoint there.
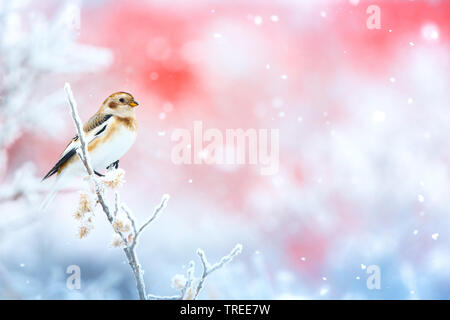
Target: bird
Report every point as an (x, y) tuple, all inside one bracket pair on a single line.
[(109, 133)]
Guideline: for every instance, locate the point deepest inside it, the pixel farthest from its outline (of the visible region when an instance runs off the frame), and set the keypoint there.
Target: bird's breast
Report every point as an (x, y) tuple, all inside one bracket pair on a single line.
[(115, 142)]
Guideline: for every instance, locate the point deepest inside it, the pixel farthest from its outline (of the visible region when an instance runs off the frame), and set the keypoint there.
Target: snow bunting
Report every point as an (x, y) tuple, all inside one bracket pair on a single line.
[(109, 133)]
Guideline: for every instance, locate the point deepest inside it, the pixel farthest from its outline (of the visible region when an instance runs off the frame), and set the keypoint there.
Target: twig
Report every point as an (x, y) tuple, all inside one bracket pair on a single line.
[(192, 287), (129, 216), (208, 269), (190, 279), (116, 204), (79, 126), (156, 211)]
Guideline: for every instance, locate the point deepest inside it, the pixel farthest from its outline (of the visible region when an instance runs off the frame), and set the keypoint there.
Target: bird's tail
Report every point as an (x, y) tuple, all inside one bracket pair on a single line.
[(54, 190)]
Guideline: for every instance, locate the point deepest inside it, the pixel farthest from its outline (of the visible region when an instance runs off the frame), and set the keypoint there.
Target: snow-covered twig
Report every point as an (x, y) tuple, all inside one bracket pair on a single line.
[(153, 297), (208, 269), (84, 156), (156, 211), (191, 287)]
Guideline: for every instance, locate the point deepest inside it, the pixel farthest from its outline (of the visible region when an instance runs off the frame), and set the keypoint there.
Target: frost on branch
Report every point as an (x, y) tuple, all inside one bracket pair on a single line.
[(189, 285), (114, 178)]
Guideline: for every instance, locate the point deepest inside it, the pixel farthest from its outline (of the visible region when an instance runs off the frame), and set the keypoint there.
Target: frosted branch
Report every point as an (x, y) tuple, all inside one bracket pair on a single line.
[(156, 212), (84, 157), (192, 285), (208, 269)]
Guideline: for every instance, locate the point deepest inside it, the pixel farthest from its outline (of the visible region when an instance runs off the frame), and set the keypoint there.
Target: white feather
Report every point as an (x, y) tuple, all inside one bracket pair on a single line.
[(116, 146)]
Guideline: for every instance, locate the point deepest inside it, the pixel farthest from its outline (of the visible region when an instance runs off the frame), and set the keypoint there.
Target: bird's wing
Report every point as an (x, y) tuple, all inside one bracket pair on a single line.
[(93, 129)]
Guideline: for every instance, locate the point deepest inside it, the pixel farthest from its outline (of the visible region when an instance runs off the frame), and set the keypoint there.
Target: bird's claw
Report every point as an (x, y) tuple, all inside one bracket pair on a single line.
[(114, 165), (99, 174)]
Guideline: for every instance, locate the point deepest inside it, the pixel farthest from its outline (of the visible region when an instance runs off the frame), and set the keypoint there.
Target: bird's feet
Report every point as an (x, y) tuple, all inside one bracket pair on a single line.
[(99, 174), (114, 165)]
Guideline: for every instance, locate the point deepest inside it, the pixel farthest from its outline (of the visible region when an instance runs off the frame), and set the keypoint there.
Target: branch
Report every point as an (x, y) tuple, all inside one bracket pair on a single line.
[(153, 297), (84, 154), (192, 286), (208, 269), (156, 211), (79, 126)]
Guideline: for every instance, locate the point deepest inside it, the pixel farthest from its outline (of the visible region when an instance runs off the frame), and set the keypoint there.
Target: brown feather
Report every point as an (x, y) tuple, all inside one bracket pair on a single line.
[(129, 122), (95, 121)]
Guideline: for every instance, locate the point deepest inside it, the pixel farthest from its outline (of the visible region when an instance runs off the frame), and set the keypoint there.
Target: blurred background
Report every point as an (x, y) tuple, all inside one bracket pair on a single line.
[(364, 149)]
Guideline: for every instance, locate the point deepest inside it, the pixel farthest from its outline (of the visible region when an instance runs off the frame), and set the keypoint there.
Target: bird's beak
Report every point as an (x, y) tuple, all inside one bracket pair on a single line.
[(133, 103)]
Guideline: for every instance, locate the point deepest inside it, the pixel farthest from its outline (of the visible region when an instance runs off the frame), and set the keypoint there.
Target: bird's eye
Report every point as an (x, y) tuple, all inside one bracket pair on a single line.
[(122, 100)]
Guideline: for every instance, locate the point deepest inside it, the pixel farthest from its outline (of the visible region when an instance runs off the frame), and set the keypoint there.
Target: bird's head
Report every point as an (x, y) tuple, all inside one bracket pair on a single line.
[(119, 103)]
